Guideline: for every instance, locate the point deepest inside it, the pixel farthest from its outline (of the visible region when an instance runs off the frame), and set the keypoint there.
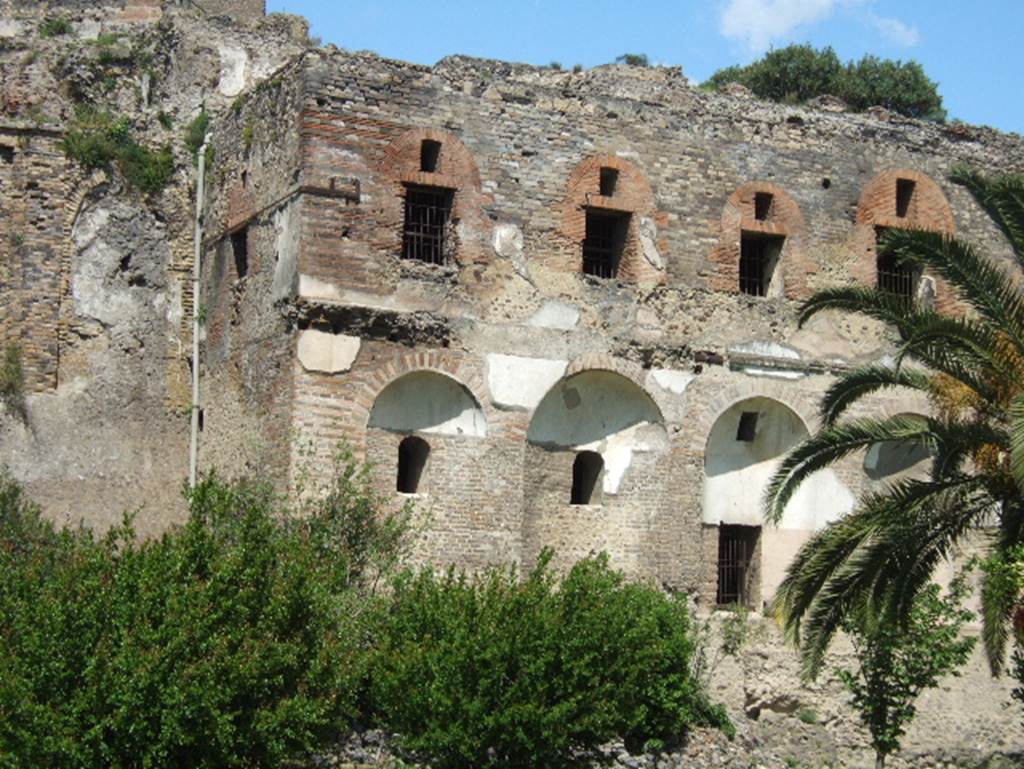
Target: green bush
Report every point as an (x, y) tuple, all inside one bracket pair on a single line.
[(494, 672), (98, 141), (797, 73), (12, 381), (55, 27), (238, 640)]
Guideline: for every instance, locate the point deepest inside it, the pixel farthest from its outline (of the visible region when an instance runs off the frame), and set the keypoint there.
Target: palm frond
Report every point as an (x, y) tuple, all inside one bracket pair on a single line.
[(834, 442), (1002, 197), (880, 305), (1016, 414), (856, 384)]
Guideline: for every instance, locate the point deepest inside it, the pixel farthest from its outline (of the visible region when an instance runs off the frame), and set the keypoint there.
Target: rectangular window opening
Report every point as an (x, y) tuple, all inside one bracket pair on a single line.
[(6, 153), (609, 179), (904, 196), (425, 234), (240, 251), (605, 242), (747, 429), (736, 548), (894, 277), (758, 257), (430, 154), (762, 205)]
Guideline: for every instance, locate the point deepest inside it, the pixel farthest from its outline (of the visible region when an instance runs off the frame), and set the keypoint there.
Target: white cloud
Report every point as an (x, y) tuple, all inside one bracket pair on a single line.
[(895, 30), (758, 24)]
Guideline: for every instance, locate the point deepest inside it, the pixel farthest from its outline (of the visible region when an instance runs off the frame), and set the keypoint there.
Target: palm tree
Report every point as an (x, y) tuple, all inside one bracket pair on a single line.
[(876, 560)]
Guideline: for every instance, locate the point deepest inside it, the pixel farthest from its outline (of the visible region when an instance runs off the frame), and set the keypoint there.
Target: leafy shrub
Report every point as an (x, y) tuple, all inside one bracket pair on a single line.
[(12, 382), (633, 59), (235, 641), (195, 134), (98, 141), (494, 672), (55, 27), (797, 73)]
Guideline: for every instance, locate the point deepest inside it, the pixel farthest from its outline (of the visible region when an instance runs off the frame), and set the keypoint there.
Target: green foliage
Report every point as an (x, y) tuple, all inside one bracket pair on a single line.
[(808, 715), (897, 662), (165, 120), (196, 132), (633, 59), (797, 73), (879, 558), (555, 65), (55, 27), (738, 631), (238, 640), (98, 141), (106, 39), (497, 672), (12, 382)]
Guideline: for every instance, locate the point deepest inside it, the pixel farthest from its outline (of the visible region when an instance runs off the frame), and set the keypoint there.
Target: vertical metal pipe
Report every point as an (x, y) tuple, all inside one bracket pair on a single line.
[(193, 459)]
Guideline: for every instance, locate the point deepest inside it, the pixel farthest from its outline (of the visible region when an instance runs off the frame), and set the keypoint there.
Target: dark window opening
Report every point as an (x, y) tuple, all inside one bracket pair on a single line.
[(430, 154), (428, 213), (240, 251), (758, 256), (609, 179), (202, 419), (747, 429), (736, 546), (245, 178), (762, 205), (904, 195), (604, 243), (586, 472), (412, 458), (6, 153), (895, 277)]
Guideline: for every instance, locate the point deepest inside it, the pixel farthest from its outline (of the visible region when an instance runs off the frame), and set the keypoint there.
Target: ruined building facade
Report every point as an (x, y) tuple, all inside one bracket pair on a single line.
[(555, 309)]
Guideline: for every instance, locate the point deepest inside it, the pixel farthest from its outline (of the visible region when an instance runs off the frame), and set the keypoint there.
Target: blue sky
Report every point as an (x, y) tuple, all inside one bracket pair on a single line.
[(971, 49)]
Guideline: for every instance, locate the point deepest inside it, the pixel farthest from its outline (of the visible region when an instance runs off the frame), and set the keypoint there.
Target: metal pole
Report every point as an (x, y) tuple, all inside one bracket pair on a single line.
[(193, 459)]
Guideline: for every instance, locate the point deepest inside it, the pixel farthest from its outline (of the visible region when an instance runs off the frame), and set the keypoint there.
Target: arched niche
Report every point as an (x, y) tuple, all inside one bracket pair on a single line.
[(428, 402), (745, 447), (603, 412)]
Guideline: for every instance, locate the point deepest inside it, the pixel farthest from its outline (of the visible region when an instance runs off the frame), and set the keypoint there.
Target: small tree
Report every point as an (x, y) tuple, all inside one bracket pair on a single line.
[(897, 663), (633, 59)]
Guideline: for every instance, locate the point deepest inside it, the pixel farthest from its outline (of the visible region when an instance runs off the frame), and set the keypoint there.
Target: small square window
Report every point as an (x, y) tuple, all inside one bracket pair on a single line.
[(425, 234), (747, 429), (762, 205), (609, 180), (904, 196), (430, 155), (605, 242)]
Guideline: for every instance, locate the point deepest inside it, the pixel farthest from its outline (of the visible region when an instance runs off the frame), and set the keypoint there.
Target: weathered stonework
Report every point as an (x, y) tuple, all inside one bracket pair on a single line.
[(515, 367)]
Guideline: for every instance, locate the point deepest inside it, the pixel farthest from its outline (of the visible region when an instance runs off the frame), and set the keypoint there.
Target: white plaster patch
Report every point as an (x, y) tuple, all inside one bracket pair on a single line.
[(517, 382), (669, 379), (556, 315), (508, 243), (233, 63), (314, 288), (649, 243), (774, 373), (327, 353), (10, 28), (766, 349)]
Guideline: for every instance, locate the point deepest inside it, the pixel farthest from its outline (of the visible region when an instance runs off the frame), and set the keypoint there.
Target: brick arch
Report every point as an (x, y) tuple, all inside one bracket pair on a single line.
[(784, 218), (633, 195), (929, 210), (457, 170), (701, 418), (634, 372), (471, 379)]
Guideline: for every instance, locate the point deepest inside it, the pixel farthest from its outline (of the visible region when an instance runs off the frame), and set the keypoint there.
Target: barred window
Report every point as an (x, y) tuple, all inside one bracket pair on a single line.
[(736, 547), (426, 233), (604, 242), (759, 254)]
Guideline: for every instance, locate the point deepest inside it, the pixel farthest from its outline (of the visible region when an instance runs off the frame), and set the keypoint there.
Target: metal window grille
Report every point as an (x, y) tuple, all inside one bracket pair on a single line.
[(604, 242), (897, 279), (735, 550), (755, 265), (428, 213)]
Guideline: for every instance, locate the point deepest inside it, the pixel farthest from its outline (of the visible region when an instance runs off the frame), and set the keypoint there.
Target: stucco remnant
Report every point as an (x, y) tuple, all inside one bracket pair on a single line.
[(517, 382), (326, 352)]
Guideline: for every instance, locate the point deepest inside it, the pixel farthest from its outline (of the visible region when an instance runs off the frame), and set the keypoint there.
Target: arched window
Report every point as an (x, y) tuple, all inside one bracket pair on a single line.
[(586, 472), (412, 458)]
